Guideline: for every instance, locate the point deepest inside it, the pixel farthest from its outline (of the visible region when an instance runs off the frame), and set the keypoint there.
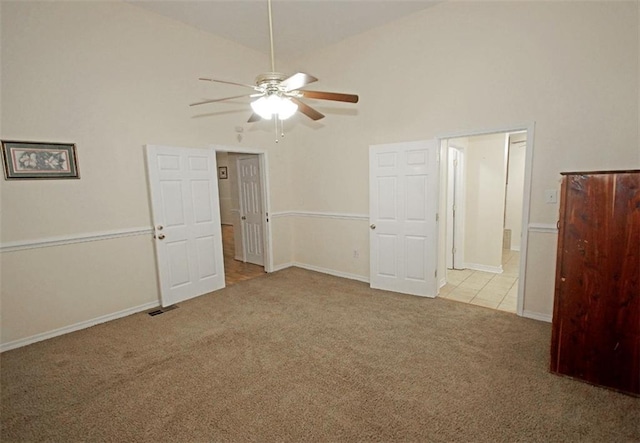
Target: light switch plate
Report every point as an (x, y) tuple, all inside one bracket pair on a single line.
[(551, 196)]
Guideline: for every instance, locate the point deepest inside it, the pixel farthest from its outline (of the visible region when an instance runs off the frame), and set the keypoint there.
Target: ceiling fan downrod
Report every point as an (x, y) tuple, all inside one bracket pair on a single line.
[(273, 59)]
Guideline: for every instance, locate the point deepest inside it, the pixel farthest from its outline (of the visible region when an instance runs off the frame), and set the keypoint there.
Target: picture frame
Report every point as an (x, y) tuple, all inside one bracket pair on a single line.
[(39, 160), (222, 173)]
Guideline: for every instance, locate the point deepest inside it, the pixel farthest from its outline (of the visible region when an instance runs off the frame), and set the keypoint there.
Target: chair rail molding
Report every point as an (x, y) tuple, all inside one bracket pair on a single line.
[(314, 214), (72, 239), (545, 228)]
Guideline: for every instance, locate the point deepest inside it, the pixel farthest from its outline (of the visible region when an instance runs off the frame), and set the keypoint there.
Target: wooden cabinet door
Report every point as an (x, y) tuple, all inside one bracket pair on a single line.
[(596, 320)]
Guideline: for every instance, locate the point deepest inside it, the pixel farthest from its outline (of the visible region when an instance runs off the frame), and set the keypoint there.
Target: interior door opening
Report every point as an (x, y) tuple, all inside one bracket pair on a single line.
[(243, 213), (484, 207)]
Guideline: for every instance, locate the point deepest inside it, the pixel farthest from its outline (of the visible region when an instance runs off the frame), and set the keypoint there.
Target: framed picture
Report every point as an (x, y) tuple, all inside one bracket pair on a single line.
[(222, 173), (36, 160)]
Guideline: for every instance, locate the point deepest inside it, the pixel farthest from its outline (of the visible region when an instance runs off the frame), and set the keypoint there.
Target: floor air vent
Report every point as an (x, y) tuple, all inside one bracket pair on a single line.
[(162, 310)]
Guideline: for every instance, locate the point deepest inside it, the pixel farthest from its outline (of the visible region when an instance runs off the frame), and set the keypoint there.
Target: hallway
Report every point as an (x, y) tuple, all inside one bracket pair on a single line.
[(496, 291), (235, 270)]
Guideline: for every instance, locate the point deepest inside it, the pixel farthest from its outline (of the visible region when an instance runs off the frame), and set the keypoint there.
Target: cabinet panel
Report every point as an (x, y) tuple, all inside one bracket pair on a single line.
[(596, 321)]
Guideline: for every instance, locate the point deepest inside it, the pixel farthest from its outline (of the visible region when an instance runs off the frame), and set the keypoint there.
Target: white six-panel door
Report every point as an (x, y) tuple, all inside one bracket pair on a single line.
[(403, 186), (186, 216), (251, 211)]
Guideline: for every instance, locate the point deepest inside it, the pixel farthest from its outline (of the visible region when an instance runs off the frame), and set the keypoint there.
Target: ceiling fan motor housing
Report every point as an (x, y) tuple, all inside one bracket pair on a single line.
[(270, 82)]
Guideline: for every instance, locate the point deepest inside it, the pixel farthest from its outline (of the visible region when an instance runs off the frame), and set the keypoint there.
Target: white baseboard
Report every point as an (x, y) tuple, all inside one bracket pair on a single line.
[(443, 281), (537, 316), (280, 267), (76, 327), (483, 268), (331, 272)]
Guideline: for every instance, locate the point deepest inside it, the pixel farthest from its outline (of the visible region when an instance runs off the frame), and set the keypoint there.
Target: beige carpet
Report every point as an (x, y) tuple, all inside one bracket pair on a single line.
[(301, 356)]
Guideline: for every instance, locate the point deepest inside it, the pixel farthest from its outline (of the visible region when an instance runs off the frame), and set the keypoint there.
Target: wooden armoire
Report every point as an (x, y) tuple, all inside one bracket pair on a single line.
[(596, 315)]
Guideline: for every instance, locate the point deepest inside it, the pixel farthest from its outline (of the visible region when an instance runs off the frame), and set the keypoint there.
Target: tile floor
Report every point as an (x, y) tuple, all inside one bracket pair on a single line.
[(496, 291)]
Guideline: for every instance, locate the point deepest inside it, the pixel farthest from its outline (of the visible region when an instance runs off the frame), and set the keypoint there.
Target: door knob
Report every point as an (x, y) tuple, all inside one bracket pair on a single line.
[(159, 227), (161, 237), (372, 226), (243, 218)]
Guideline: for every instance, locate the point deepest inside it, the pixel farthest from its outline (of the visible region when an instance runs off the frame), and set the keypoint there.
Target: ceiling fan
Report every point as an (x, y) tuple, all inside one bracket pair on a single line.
[(279, 95)]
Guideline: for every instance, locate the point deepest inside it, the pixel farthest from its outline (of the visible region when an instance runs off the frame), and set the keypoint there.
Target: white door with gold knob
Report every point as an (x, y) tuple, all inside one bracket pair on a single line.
[(186, 217), (251, 208), (403, 200)]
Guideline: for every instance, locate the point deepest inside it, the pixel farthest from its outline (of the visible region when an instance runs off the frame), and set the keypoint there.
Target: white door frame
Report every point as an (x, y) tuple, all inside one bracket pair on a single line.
[(264, 177), (526, 197)]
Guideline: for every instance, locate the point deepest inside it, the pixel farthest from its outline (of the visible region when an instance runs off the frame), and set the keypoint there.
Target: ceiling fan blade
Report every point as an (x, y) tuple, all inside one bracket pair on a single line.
[(218, 100), (297, 81), (307, 110), (335, 96), (254, 118), (228, 83)]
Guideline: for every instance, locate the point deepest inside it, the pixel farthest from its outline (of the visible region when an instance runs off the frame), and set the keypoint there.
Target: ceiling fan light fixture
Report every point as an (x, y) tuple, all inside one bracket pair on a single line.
[(287, 108), (266, 107)]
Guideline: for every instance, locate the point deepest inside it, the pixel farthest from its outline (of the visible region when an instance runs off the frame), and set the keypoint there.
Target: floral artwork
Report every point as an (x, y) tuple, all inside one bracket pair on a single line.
[(39, 160)]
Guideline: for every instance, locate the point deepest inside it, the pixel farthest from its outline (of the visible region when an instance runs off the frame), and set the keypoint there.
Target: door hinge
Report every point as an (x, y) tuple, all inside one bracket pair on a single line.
[(435, 274), (455, 162), (437, 217)]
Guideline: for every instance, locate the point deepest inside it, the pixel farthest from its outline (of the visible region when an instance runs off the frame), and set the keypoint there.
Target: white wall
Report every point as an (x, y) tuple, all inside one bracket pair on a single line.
[(515, 187), (485, 170), (462, 67), (111, 78)]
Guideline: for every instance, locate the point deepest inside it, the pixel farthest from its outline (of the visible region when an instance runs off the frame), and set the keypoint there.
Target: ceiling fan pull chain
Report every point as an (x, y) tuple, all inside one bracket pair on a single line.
[(276, 123)]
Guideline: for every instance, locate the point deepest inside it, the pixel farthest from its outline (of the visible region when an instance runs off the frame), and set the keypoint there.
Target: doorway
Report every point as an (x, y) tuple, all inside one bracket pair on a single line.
[(243, 214), (485, 206)]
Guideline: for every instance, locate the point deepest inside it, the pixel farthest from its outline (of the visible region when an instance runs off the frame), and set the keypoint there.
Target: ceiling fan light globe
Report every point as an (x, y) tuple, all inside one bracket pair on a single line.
[(263, 108), (286, 108)]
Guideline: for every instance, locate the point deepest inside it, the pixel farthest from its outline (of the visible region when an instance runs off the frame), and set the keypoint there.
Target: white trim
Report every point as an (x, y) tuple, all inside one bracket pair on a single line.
[(334, 215), (71, 239), (537, 316), (282, 266), (523, 127), (546, 228), (331, 272), (526, 213), (483, 268), (76, 327), (321, 270), (238, 149)]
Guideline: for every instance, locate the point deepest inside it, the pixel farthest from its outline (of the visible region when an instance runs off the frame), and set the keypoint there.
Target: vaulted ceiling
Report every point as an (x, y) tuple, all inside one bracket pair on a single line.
[(300, 26)]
